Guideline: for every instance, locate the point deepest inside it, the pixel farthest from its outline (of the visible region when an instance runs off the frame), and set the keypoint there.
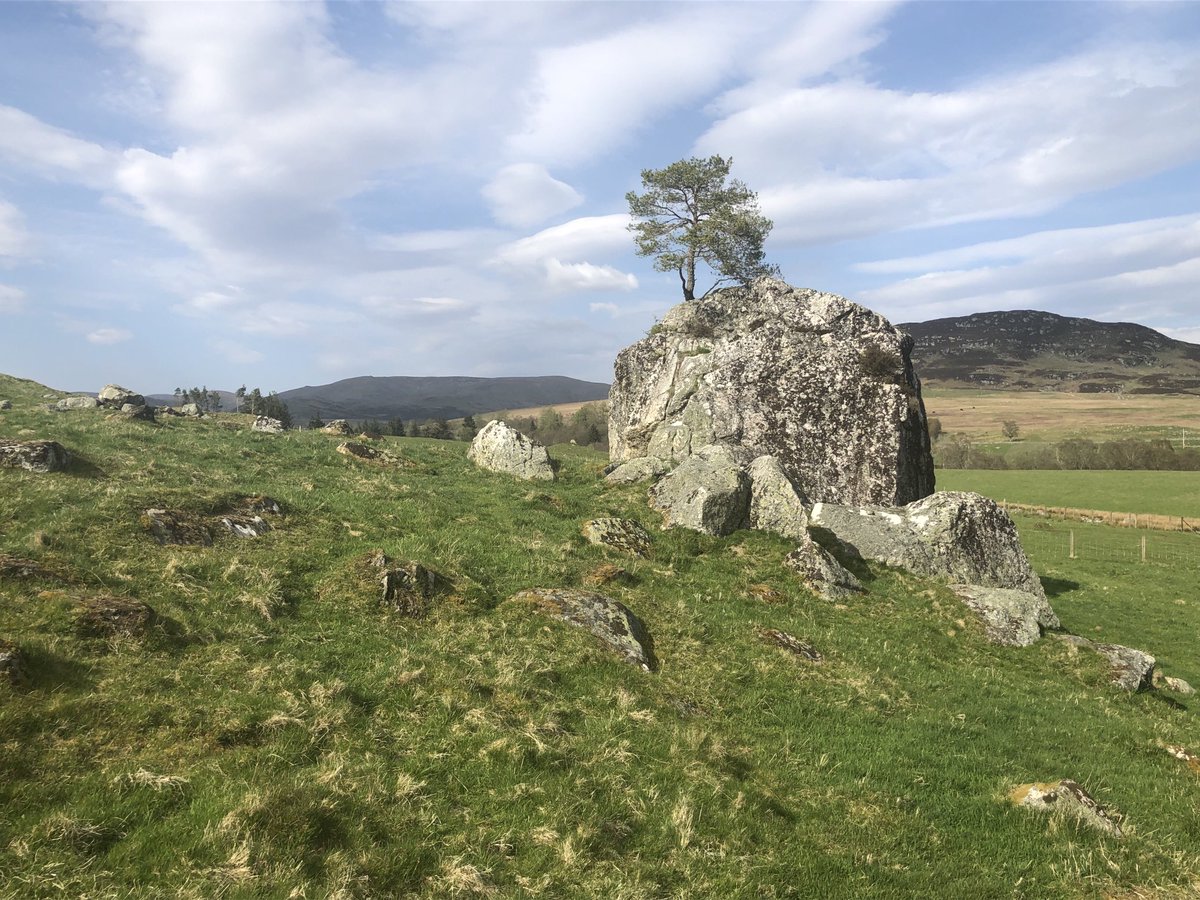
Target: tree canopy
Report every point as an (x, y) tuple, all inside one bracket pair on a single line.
[(692, 212)]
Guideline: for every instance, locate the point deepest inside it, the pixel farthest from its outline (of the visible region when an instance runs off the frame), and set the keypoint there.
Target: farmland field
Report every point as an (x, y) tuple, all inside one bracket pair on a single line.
[(1161, 493)]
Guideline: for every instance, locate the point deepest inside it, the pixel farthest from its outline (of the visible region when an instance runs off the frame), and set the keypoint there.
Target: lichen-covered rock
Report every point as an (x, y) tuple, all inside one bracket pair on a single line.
[(358, 451), (955, 536), (1131, 670), (67, 403), (338, 426), (624, 535), (1067, 798), (113, 617), (607, 619), (644, 468), (34, 456), (245, 526), (191, 409), (821, 573), (791, 643), (267, 425), (116, 396), (171, 526), (1011, 618), (409, 588), (709, 492), (1171, 683), (815, 380), (137, 412), (12, 662), (499, 448), (775, 504)]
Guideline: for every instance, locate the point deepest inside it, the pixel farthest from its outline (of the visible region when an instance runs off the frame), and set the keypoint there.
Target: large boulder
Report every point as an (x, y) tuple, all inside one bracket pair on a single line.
[(499, 448), (708, 492), (116, 396), (34, 456), (644, 468), (818, 382), (82, 402)]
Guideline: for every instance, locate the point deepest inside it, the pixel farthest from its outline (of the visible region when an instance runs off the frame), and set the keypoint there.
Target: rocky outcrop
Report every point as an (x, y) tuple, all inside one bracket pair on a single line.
[(338, 426), (1067, 798), (191, 409), (775, 504), (84, 402), (499, 448), (267, 425), (709, 492), (115, 396), (1011, 618), (624, 535), (821, 573), (815, 380), (137, 413), (244, 526), (1129, 669), (33, 456), (608, 620), (113, 617), (644, 468)]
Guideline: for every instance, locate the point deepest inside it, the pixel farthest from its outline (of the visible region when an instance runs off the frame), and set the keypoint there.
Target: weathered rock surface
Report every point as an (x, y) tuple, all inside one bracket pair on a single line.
[(709, 491), (1171, 683), (644, 468), (775, 504), (67, 403), (35, 456), (139, 413), (113, 617), (624, 535), (791, 643), (191, 409), (1067, 798), (267, 425), (338, 426), (410, 588), (12, 662), (1012, 618), (116, 396), (499, 448), (170, 526), (821, 573), (955, 536), (245, 526), (607, 619), (815, 380), (19, 567), (1131, 670)]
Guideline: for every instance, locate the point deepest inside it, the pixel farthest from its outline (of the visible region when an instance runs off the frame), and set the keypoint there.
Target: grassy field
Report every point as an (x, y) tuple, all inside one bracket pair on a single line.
[(1161, 493), (283, 735)]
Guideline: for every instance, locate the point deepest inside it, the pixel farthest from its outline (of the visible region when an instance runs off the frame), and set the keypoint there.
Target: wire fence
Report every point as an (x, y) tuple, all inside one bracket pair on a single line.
[(1057, 539)]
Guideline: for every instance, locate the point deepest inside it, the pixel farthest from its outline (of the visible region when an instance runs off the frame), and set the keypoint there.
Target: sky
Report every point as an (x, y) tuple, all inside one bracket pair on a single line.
[(287, 194)]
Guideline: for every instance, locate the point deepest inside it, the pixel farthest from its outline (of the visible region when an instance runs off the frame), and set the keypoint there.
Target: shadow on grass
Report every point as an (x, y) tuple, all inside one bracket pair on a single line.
[(1169, 701), (1056, 587), (47, 671), (82, 467)]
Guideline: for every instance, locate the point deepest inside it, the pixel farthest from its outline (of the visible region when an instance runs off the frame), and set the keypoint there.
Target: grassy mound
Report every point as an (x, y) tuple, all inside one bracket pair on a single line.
[(279, 732)]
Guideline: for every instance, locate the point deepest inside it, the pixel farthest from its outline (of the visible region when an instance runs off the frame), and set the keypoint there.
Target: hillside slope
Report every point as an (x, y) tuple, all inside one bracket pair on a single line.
[(1031, 350)]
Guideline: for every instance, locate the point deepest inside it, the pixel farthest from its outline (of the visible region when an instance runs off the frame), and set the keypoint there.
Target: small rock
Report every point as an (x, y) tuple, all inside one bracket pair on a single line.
[(267, 425), (170, 526), (499, 448), (1185, 755), (113, 617), (775, 504), (261, 503), (34, 456), (1132, 670), (1178, 685), (359, 451), (17, 567), (610, 621), (245, 526), (707, 492), (191, 409), (5, 404), (116, 396), (409, 588), (12, 662), (606, 574), (791, 643), (764, 593), (821, 573), (644, 468), (624, 535), (1067, 797), (84, 402), (1010, 618), (338, 426)]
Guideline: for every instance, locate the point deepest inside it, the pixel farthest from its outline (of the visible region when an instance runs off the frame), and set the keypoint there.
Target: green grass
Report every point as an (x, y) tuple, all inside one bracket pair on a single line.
[(1160, 493), (283, 735)]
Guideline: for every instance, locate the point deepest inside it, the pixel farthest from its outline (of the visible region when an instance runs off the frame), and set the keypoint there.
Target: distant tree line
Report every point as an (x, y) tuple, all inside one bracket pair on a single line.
[(207, 401), (587, 426), (957, 452), (270, 405)]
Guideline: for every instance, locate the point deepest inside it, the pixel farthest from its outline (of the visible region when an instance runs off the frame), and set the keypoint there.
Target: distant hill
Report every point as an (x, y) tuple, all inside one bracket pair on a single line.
[(371, 397), (1031, 350)]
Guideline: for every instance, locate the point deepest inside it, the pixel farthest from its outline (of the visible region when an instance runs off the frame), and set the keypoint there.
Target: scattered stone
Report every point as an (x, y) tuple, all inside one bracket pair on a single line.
[(821, 573), (644, 468), (607, 619), (113, 617), (169, 526), (775, 504), (409, 588), (338, 426), (12, 662), (606, 574), (1185, 755), (1171, 683), (84, 402), (245, 526), (5, 404), (499, 448), (1011, 618), (35, 456), (1068, 798), (267, 425), (261, 503), (707, 492), (116, 396), (1132, 670), (17, 567), (764, 593), (624, 535), (359, 451), (191, 409), (791, 643), (139, 413), (817, 381)]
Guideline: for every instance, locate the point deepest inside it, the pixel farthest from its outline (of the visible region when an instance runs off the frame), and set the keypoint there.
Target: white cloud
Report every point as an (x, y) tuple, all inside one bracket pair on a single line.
[(14, 240), (12, 299), (577, 239), (29, 142), (525, 194), (237, 352), (438, 240), (105, 336), (587, 277)]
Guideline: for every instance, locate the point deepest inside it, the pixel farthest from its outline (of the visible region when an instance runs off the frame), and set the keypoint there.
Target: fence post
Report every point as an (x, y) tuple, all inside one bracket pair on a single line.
[(1072, 553), (1143, 548)]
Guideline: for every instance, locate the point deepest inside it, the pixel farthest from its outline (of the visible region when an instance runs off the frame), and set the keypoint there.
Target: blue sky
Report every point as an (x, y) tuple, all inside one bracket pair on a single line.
[(287, 194)]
